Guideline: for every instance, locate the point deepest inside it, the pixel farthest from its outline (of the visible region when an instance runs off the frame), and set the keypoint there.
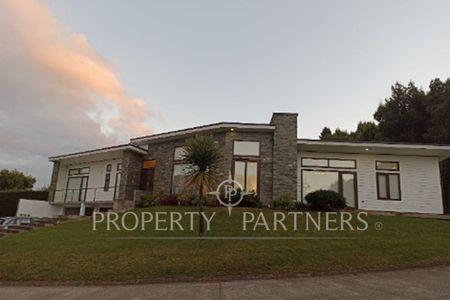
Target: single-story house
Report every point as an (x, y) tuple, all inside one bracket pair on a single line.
[(266, 158)]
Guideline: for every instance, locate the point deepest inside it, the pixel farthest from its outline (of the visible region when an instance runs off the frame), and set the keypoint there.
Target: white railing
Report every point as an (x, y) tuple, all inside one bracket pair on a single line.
[(86, 195)]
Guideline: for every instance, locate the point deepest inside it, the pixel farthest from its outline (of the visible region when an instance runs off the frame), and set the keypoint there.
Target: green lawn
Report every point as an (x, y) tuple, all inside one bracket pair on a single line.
[(73, 252)]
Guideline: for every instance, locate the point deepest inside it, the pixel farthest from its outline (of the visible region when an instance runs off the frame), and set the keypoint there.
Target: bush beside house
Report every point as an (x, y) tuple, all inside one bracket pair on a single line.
[(10, 199), (325, 200)]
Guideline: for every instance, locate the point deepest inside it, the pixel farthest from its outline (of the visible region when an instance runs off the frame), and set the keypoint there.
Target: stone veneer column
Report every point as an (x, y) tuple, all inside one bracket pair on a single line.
[(130, 178), (284, 155), (53, 181)]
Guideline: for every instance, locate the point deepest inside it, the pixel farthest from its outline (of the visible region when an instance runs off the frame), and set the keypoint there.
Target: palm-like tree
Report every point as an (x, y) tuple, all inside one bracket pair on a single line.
[(202, 154)]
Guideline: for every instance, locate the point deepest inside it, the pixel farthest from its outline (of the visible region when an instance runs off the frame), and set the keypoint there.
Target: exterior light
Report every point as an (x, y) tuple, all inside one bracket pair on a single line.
[(367, 149)]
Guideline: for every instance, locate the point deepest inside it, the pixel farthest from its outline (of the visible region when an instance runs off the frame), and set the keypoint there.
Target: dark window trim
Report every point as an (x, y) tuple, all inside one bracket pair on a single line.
[(247, 156), (79, 171), (107, 182), (81, 186), (340, 183), (328, 162), (258, 171), (388, 192), (387, 161)]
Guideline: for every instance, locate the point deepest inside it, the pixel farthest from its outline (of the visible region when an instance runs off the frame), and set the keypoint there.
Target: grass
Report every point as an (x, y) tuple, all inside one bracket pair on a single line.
[(73, 252)]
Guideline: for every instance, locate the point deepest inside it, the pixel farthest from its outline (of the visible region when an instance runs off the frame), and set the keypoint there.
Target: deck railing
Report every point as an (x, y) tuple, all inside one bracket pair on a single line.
[(86, 195)]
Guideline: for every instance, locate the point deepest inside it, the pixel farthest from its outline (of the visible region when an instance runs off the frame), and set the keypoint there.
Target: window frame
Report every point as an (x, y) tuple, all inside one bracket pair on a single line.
[(172, 176), (388, 186), (328, 159), (258, 171), (78, 171), (340, 182), (107, 183), (243, 155), (174, 152), (387, 161)]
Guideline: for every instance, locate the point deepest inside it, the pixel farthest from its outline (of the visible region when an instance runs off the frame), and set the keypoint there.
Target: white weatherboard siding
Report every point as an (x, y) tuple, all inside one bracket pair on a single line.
[(419, 182), (96, 180)]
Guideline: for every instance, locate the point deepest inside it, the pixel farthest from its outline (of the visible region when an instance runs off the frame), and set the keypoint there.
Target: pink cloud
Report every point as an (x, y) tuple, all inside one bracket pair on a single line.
[(71, 59), (57, 93)]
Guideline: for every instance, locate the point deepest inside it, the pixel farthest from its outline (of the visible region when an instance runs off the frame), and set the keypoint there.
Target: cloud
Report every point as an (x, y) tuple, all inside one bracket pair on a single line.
[(57, 93)]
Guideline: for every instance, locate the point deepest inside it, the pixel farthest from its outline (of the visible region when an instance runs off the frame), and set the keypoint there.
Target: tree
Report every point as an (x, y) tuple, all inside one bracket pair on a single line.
[(337, 135), (367, 131), (15, 180), (325, 134), (202, 154), (403, 117), (438, 109)]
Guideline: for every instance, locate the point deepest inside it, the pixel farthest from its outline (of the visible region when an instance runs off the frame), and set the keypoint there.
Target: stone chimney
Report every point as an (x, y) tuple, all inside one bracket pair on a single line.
[(285, 154)]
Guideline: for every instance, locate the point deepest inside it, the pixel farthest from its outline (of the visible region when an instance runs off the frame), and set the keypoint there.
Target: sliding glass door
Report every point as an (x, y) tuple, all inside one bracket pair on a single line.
[(76, 189)]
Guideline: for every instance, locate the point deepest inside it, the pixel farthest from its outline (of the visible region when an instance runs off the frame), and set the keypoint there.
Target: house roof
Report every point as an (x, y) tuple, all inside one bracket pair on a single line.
[(442, 151), (203, 128), (122, 147)]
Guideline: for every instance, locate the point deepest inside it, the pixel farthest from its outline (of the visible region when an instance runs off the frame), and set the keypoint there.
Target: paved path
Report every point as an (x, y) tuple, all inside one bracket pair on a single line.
[(427, 283)]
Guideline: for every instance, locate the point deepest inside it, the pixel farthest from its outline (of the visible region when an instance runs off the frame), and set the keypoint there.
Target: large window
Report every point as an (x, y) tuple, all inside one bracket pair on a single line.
[(246, 173), (388, 186), (179, 176), (77, 184), (246, 148), (76, 189), (319, 180), (342, 182)]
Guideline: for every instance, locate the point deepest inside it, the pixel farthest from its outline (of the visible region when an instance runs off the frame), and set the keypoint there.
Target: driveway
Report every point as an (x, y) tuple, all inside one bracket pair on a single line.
[(427, 283)]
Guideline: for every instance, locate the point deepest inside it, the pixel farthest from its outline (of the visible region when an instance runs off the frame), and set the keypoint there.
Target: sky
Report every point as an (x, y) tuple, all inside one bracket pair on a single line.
[(79, 74)]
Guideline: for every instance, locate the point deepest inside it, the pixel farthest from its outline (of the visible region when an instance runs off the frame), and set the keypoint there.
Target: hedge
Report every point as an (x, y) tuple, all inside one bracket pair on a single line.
[(10, 199)]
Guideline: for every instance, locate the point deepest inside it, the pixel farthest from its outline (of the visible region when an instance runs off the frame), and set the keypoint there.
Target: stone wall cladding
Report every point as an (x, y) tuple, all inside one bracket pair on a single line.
[(53, 181), (163, 152), (284, 155), (130, 179)]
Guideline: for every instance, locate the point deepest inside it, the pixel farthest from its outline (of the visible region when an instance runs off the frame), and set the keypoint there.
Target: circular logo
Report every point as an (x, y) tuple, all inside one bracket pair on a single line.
[(229, 193)]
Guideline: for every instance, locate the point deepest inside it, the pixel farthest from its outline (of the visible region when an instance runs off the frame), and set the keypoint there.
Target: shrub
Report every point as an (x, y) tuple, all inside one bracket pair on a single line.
[(249, 200), (151, 200), (286, 202), (325, 200), (170, 200)]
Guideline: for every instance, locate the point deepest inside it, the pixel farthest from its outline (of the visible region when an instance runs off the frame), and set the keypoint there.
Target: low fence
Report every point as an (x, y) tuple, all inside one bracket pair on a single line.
[(10, 199)]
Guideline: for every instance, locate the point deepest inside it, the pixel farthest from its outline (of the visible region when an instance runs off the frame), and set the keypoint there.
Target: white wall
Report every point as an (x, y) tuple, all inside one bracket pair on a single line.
[(37, 209), (419, 182), (96, 179)]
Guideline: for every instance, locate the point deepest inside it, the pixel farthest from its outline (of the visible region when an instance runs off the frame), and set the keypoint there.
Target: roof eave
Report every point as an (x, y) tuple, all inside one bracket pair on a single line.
[(207, 128), (130, 147)]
